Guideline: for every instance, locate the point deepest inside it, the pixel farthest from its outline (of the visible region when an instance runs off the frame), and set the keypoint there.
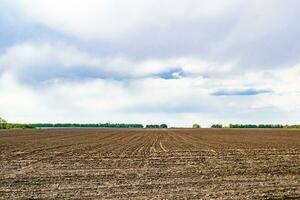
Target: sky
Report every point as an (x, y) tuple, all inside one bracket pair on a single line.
[(150, 61)]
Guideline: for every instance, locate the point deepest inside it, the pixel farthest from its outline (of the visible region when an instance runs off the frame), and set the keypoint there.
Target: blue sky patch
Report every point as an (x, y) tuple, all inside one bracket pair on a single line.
[(241, 92)]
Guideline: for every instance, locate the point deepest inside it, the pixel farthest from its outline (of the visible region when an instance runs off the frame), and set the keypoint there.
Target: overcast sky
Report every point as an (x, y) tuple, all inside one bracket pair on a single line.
[(150, 61)]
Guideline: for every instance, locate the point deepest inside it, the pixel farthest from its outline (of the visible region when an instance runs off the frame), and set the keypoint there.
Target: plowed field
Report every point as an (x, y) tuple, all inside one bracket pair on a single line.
[(150, 164)]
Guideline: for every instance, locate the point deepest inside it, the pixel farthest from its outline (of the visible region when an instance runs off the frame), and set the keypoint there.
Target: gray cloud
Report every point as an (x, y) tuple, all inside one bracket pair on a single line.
[(251, 33)]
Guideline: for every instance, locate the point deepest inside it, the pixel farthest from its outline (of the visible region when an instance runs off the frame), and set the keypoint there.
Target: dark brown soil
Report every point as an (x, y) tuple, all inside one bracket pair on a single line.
[(150, 164)]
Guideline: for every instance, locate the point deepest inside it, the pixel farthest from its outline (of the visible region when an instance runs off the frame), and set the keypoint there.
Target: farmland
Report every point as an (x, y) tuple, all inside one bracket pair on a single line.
[(151, 163)]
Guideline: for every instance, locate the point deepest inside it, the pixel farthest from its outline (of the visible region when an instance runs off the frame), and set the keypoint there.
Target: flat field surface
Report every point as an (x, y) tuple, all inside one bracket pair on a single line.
[(150, 164)]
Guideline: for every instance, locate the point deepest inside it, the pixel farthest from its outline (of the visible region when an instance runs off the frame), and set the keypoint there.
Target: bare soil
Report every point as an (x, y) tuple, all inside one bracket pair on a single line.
[(150, 164)]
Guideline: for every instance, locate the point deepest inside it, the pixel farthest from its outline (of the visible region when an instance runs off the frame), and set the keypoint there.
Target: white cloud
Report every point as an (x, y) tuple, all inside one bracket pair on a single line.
[(38, 55), (113, 19), (143, 93), (16, 99), (139, 100)]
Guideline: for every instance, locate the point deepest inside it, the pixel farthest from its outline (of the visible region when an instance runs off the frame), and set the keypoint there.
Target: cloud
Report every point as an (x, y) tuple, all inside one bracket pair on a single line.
[(38, 62), (111, 19), (177, 101), (149, 61), (161, 87), (249, 33), (34, 54)]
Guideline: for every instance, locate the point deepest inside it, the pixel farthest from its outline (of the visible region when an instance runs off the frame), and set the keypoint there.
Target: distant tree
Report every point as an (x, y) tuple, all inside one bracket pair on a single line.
[(196, 126), (163, 126), (217, 126), (152, 126), (3, 123)]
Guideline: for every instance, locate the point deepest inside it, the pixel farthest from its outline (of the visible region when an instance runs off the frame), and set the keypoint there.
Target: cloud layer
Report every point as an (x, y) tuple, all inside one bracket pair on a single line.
[(149, 62)]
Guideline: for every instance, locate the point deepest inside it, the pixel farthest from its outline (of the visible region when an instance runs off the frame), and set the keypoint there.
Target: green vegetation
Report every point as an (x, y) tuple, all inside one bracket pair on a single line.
[(292, 126), (217, 126), (196, 126), (152, 126), (156, 126), (100, 125), (163, 126), (19, 126), (5, 125), (255, 126)]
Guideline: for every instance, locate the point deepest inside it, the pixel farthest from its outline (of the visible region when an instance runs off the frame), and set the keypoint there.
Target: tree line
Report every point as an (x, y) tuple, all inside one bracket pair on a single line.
[(217, 126), (95, 125), (292, 126), (248, 126), (98, 125), (255, 126), (5, 125), (156, 126)]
